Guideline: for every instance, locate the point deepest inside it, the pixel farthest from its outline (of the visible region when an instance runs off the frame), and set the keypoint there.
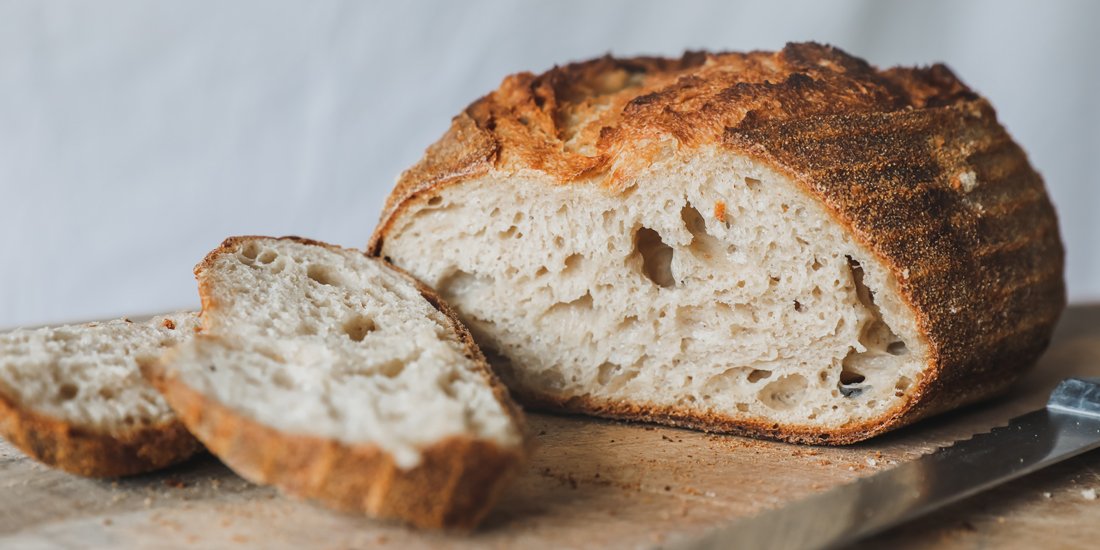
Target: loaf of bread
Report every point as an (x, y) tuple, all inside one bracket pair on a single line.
[(73, 398), (786, 244), (336, 378)]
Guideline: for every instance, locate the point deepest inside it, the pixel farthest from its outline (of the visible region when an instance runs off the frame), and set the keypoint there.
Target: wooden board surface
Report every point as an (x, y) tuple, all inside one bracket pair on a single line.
[(592, 484)]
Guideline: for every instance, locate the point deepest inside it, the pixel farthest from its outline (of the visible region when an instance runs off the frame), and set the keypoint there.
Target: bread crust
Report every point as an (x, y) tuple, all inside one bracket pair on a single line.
[(454, 486), (910, 161), (91, 452)]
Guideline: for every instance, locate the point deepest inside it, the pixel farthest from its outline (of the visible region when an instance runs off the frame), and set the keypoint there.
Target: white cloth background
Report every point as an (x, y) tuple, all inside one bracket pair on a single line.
[(135, 135)]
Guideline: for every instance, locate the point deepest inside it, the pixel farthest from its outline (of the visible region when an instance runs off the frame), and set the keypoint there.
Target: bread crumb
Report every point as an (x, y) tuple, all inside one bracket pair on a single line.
[(720, 211), (1046, 495), (1088, 494), (872, 462), (851, 468)]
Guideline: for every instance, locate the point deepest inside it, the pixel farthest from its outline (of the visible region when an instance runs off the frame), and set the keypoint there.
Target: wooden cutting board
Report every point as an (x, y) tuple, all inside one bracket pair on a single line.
[(591, 484)]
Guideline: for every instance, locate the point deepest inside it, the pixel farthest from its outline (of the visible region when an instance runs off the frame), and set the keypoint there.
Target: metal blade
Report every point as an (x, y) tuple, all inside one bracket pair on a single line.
[(1068, 426)]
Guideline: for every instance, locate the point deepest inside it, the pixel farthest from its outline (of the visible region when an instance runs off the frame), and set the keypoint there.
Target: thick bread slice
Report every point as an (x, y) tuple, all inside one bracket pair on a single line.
[(73, 398), (789, 244), (334, 377)]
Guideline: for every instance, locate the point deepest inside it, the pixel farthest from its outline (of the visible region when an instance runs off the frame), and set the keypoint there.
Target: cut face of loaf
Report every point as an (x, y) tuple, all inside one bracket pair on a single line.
[(732, 294), (335, 377), (686, 241), (73, 397)]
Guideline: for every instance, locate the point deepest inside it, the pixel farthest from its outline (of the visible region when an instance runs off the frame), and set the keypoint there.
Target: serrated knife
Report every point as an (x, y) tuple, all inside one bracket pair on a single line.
[(1067, 426)]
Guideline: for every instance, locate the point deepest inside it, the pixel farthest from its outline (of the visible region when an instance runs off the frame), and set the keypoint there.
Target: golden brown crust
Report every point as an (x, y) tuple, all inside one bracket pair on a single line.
[(453, 487), (911, 161), (90, 452)]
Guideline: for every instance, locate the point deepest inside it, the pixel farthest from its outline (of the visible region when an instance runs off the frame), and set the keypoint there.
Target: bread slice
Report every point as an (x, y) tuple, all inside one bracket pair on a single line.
[(787, 244), (73, 398), (337, 378)]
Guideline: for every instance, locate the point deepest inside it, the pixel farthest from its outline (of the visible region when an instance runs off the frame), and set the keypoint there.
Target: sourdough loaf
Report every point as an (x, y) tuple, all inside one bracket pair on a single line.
[(787, 244), (73, 398), (334, 377)]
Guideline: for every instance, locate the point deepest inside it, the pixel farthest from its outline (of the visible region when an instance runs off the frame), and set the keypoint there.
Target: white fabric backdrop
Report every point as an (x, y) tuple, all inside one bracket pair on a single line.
[(135, 135)]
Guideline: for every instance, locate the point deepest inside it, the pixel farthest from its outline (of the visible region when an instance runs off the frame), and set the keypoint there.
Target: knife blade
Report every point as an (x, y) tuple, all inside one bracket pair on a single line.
[(1067, 426)]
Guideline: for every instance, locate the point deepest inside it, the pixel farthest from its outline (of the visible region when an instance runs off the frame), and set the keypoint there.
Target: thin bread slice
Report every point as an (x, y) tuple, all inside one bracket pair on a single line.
[(336, 378), (73, 398)]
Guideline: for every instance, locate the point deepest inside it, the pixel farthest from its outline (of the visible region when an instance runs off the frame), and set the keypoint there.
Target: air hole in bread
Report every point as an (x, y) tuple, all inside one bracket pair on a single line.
[(67, 392), (572, 311), (876, 335), (572, 263), (656, 257), (323, 274), (897, 348), (435, 201), (605, 371), (282, 379), (267, 256), (878, 340), (851, 382), (758, 374), (726, 380), (703, 244), (249, 252), (621, 377), (752, 183), (392, 368), (359, 327), (783, 393), (107, 393), (848, 377)]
